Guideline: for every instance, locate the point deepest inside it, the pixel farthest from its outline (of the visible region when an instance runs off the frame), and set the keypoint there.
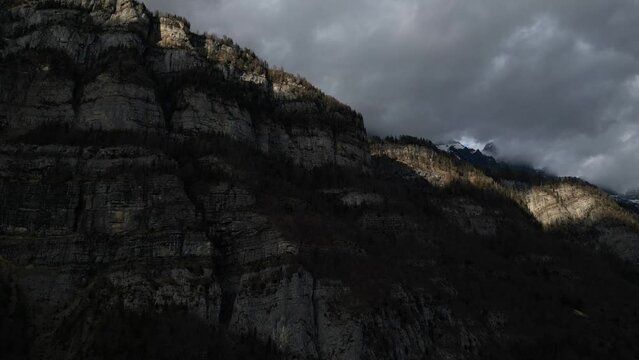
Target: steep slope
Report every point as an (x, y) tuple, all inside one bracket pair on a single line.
[(165, 195), (555, 203), (573, 200), (487, 162)]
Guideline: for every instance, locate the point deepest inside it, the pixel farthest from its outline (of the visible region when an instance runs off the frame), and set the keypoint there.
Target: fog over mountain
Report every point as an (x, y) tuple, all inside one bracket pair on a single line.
[(553, 83)]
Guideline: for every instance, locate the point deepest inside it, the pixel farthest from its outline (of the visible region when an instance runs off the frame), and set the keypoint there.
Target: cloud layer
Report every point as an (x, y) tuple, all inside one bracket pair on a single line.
[(553, 83)]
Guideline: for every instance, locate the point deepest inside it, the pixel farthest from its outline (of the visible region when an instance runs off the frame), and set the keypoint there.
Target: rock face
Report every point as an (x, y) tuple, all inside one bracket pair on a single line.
[(111, 218), (571, 202), (111, 104), (166, 195), (112, 65)]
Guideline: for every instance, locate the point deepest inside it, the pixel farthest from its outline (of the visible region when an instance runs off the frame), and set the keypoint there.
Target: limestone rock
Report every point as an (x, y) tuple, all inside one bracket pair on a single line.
[(68, 209), (278, 307), (112, 104), (472, 217), (114, 66), (32, 98), (173, 32), (199, 113)]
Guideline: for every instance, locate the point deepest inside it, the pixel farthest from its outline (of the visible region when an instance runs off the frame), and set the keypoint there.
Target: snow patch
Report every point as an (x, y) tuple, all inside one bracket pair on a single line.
[(453, 145)]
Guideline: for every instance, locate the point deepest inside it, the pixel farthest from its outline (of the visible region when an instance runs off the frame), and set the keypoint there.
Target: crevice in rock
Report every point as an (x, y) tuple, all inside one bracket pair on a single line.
[(227, 304), (79, 208), (220, 272), (78, 211), (167, 100), (228, 284), (78, 92), (315, 319), (168, 106)]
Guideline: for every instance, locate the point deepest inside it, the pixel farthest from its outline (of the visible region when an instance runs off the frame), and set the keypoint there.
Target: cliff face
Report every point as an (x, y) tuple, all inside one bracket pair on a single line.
[(110, 234), (112, 65), (165, 195)]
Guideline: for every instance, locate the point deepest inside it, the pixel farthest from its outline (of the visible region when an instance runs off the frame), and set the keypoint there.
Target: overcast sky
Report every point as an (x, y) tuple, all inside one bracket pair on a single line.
[(551, 82)]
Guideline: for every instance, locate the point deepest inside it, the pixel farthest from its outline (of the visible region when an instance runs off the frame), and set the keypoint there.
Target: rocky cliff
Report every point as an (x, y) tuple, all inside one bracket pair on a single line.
[(112, 65), (166, 195)]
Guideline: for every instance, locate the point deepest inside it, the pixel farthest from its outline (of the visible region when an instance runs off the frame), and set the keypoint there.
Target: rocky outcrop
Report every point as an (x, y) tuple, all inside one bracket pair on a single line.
[(433, 165), (565, 202)]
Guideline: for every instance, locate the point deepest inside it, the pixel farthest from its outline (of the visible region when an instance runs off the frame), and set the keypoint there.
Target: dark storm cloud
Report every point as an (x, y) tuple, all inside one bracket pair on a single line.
[(555, 83)]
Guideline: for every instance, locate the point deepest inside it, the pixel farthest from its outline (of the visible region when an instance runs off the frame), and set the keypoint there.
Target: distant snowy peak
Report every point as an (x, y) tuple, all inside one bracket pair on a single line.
[(454, 147), (486, 160), (629, 200), (459, 150), (632, 194), (451, 146)]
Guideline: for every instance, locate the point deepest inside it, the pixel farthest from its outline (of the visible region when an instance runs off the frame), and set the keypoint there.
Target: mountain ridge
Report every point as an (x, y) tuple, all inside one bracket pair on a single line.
[(126, 52), (483, 176), (486, 160)]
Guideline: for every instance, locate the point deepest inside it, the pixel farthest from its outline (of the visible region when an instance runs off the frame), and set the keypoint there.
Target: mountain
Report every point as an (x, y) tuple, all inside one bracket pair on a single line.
[(629, 200), (551, 200), (451, 146), (167, 195), (503, 171), (472, 156), (486, 161), (491, 149)]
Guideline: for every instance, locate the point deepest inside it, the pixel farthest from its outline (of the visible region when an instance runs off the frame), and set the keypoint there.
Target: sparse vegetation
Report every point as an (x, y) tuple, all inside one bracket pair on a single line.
[(223, 50), (402, 140), (180, 19), (444, 168), (307, 92)]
